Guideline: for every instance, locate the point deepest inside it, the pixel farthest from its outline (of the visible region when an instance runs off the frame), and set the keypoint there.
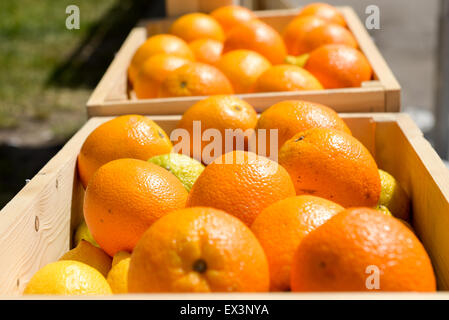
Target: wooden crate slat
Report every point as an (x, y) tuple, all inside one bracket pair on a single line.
[(372, 98), (383, 72), (179, 7), (425, 178)]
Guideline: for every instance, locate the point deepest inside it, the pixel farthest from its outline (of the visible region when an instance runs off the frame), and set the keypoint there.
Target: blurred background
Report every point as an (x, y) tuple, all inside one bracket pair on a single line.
[(47, 72)]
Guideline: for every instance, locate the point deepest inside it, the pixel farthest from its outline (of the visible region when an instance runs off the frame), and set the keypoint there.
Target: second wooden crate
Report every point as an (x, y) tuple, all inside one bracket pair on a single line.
[(113, 96)]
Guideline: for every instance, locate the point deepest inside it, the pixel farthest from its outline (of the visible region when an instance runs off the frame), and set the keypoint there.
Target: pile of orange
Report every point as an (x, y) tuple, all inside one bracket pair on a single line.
[(230, 50), (306, 222)]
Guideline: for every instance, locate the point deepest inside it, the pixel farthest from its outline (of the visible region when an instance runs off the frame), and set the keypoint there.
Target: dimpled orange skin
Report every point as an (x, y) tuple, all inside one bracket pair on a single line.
[(196, 79), (243, 68), (281, 227), (230, 16), (332, 164), (206, 50), (130, 136), (193, 26), (257, 36), (326, 34), (198, 250), (293, 116), (339, 66), (126, 196), (296, 30), (160, 43), (219, 112), (243, 184), (324, 11), (286, 77), (153, 72), (335, 256)]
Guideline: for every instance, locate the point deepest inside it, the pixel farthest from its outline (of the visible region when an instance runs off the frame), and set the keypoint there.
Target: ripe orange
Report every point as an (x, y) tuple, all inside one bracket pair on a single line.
[(325, 34), (286, 77), (206, 50), (324, 11), (232, 15), (130, 136), (195, 79), (257, 36), (344, 254), (296, 30), (217, 112), (332, 164), (243, 67), (193, 26), (161, 43), (294, 116), (198, 250), (242, 184), (124, 197), (153, 72), (281, 227), (339, 66)]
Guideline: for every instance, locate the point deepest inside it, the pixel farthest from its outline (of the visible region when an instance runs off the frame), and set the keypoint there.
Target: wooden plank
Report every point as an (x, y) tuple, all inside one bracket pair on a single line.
[(426, 179), (383, 94), (35, 227), (117, 71), (208, 6), (178, 7), (378, 63), (371, 99)]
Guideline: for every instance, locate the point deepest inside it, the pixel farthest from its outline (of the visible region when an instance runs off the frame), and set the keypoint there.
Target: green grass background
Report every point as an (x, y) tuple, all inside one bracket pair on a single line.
[(33, 41)]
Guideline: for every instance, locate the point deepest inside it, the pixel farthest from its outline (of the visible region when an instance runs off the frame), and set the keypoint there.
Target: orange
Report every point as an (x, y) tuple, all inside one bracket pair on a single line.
[(324, 11), (243, 67), (198, 250), (257, 36), (153, 71), (348, 251), (286, 77), (325, 34), (242, 184), (124, 197), (196, 79), (339, 66), (296, 30), (332, 164), (193, 26), (281, 227), (232, 15), (206, 50), (161, 43), (130, 136), (293, 116), (217, 112)]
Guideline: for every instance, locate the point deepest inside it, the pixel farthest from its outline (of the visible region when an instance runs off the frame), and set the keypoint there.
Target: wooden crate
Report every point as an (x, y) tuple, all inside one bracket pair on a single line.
[(36, 226), (112, 96)]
